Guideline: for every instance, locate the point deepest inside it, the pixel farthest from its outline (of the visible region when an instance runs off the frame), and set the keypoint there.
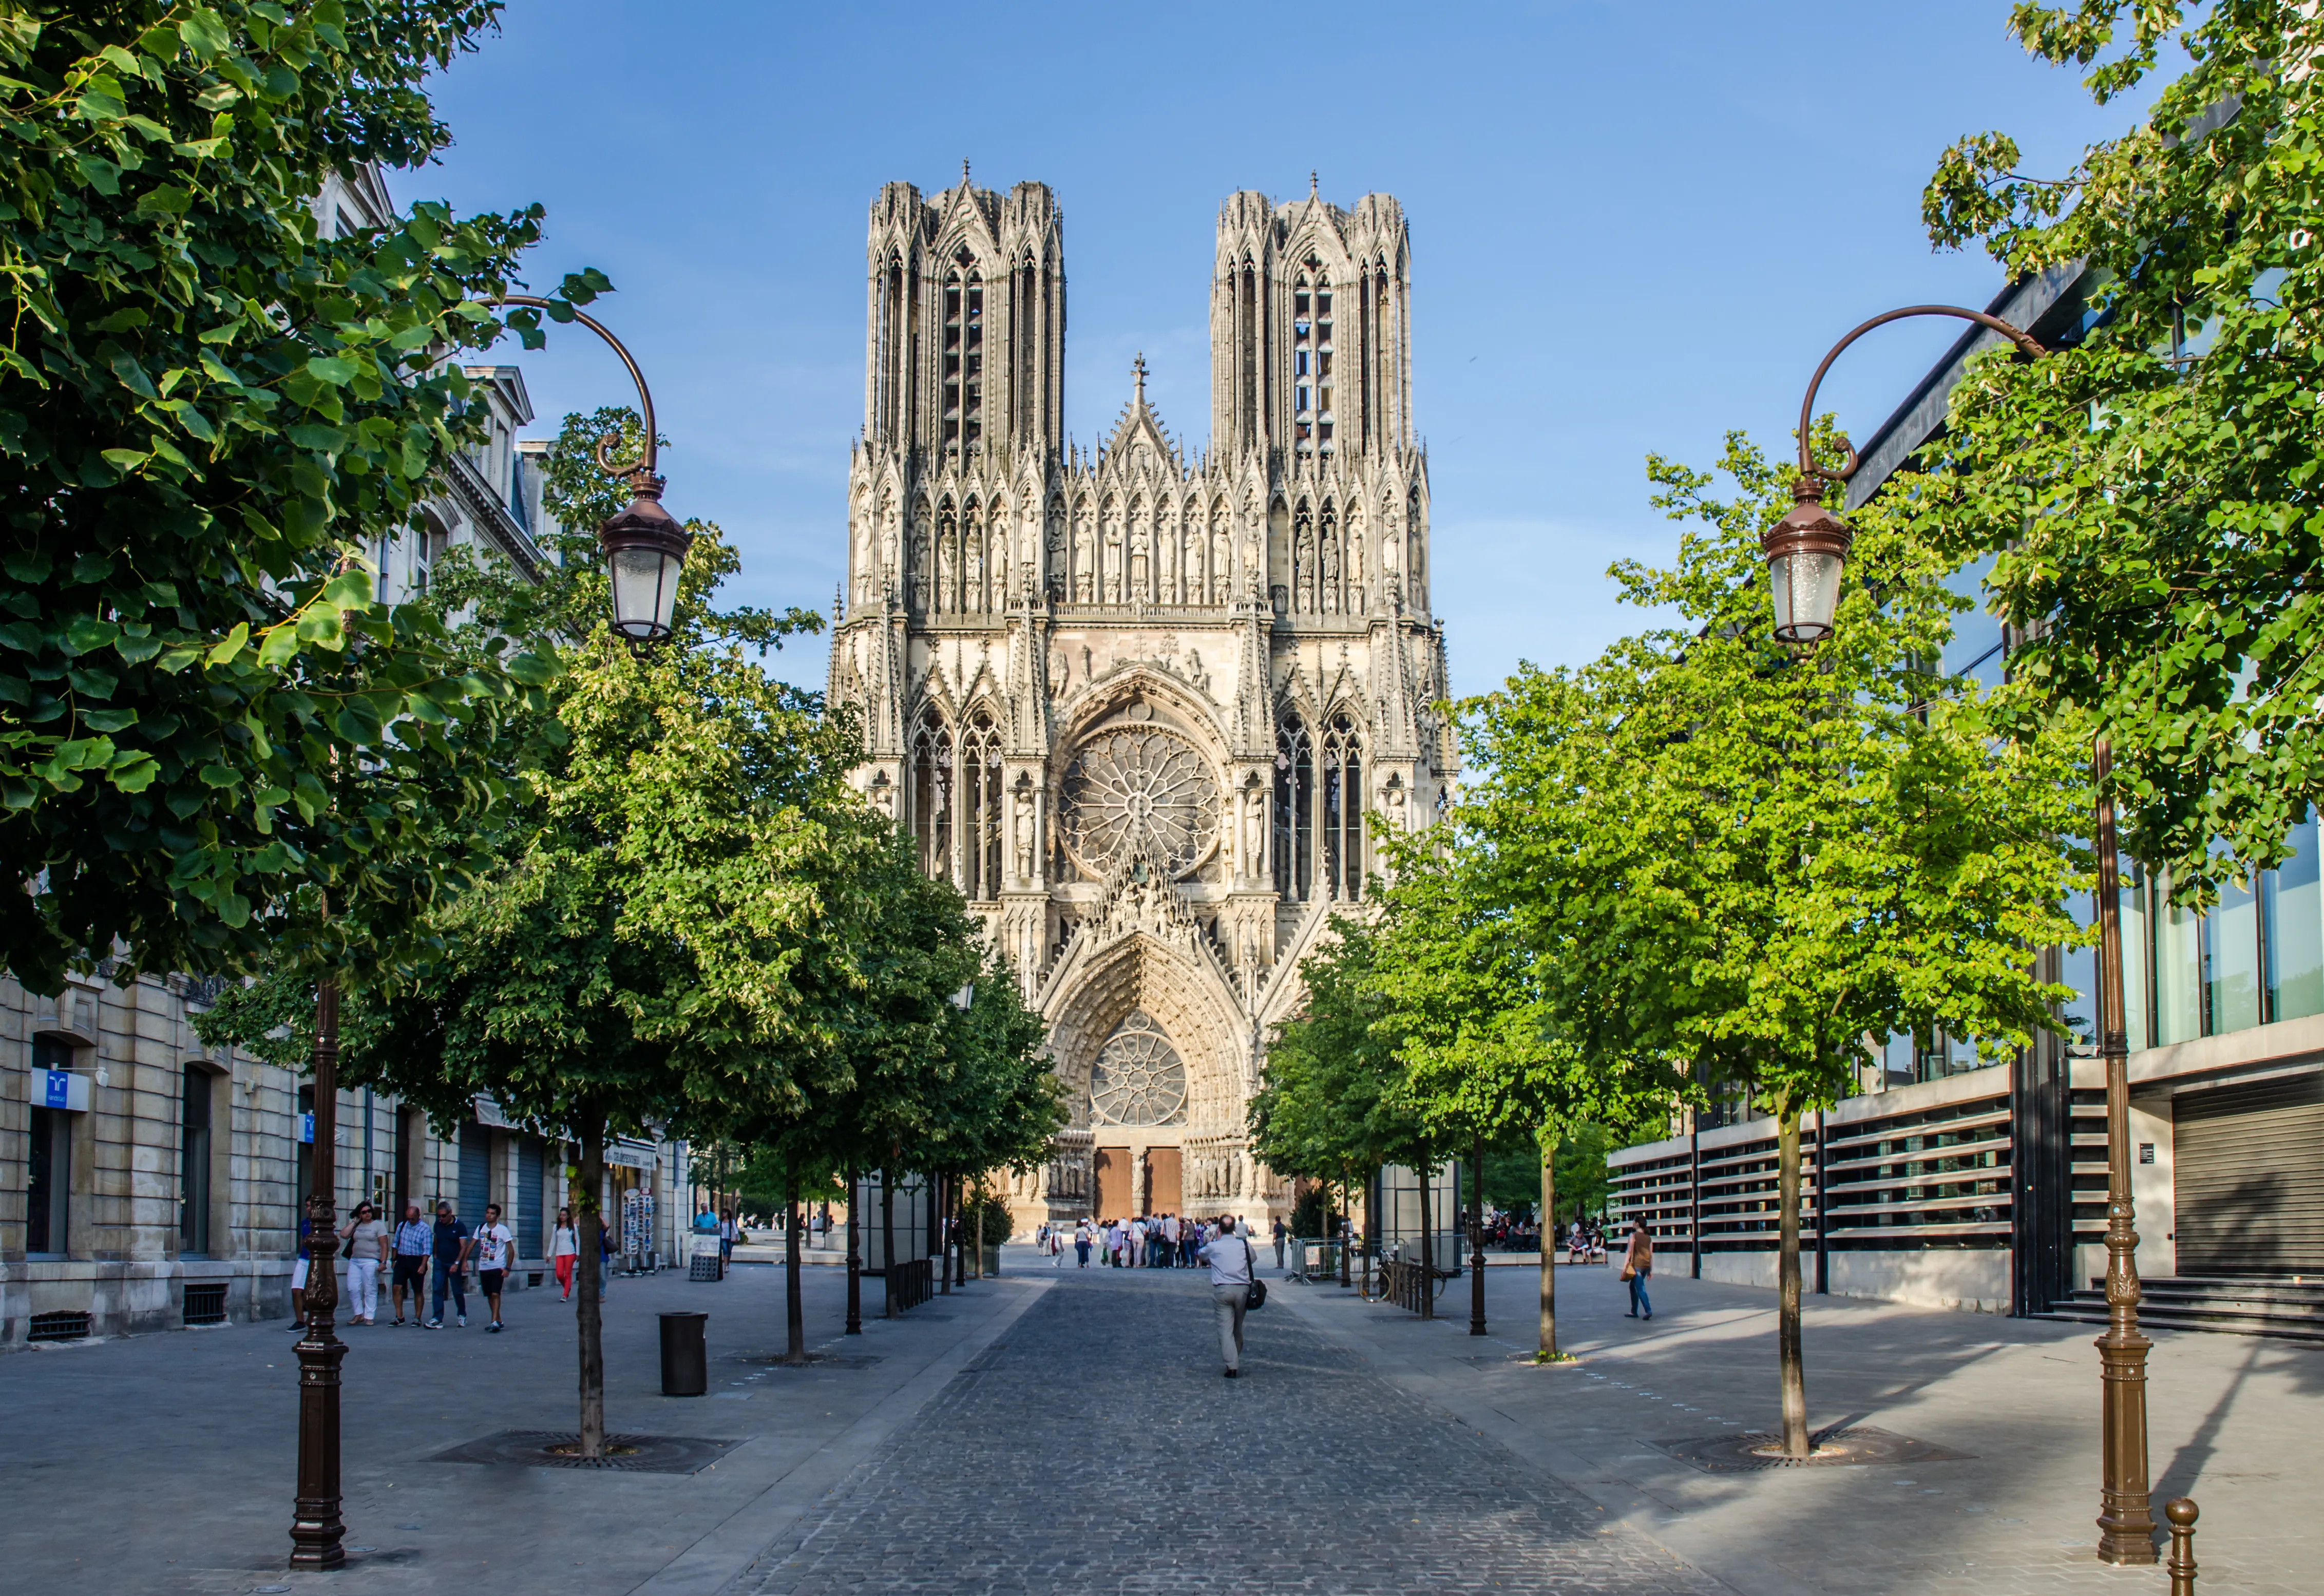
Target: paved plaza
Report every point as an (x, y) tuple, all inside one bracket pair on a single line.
[(1068, 1431)]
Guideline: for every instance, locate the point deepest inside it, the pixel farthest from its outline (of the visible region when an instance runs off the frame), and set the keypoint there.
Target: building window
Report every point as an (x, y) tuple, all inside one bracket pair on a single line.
[(194, 1165), (1294, 819), (2291, 930), (932, 793), (981, 805), (1343, 797), (48, 1164), (964, 354), (1310, 356)]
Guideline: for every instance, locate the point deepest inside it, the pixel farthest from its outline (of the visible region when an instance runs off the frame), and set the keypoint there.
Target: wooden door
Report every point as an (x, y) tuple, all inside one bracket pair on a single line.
[(1162, 1185), (1114, 1198)]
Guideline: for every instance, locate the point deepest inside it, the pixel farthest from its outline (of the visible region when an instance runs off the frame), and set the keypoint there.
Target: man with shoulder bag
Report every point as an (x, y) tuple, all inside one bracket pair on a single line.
[(1235, 1288)]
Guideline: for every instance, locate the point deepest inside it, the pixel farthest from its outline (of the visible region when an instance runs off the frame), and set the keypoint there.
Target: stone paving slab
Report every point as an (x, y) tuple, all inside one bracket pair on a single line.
[(2237, 1422), (1095, 1448), (164, 1465)]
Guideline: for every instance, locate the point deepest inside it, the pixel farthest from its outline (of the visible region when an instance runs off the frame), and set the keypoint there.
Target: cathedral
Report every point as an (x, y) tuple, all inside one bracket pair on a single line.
[(1149, 706)]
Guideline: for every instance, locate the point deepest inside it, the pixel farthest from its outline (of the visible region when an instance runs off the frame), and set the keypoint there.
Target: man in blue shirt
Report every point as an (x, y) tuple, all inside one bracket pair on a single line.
[(452, 1242), (411, 1247)]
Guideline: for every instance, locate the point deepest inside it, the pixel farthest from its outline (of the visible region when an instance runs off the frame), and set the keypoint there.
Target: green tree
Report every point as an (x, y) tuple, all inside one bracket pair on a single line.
[(2150, 492), (209, 412), (1761, 861), (1473, 1026)]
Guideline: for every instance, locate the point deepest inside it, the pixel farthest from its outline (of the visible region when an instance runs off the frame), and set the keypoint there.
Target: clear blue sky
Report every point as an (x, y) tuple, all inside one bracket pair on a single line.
[(1633, 226)]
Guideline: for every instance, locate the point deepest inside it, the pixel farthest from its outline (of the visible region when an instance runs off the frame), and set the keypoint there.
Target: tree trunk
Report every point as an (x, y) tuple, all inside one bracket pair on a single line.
[(1548, 1228), (947, 1233), (589, 1312), (888, 1242), (1427, 1251), (1477, 1243), (1343, 1235), (979, 1239), (793, 1314), (854, 1254), (1787, 1281)]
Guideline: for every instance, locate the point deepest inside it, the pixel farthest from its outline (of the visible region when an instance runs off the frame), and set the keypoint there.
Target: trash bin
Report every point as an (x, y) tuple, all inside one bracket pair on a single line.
[(685, 1356)]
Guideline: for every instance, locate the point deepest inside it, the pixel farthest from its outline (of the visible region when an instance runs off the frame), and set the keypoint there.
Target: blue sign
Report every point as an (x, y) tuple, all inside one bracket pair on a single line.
[(306, 1128), (55, 1083)]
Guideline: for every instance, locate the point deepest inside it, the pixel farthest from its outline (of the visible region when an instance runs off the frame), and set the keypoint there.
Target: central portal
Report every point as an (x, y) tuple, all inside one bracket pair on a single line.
[(1162, 1184), (1116, 1196)]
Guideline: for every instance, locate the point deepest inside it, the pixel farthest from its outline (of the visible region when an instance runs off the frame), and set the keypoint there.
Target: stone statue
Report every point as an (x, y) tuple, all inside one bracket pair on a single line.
[(1254, 830)]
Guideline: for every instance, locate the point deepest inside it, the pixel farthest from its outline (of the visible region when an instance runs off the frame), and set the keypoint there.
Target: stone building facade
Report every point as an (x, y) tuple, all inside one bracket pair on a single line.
[(1147, 706)]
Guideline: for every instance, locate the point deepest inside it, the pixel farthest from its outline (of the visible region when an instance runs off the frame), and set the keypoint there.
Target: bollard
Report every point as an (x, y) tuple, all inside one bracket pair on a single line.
[(684, 1355), (2181, 1566)]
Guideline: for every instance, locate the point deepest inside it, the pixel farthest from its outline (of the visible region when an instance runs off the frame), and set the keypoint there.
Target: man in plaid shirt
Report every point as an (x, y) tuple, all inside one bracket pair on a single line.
[(410, 1248)]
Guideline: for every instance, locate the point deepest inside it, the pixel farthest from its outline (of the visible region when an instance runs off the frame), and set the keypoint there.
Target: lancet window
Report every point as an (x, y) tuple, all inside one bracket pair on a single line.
[(1342, 802), (982, 799), (964, 354), (1295, 816), (932, 784), (1311, 361)]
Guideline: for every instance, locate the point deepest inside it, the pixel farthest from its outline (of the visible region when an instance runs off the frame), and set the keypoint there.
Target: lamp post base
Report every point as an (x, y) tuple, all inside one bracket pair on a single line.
[(318, 1535), (2125, 1512)]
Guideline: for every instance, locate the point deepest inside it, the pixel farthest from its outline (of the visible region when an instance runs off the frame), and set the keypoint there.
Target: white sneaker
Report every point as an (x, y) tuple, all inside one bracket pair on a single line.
[(464, 1321)]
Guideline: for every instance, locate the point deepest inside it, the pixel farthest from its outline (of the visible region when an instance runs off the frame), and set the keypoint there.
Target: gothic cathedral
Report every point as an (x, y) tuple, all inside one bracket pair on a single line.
[(1150, 708)]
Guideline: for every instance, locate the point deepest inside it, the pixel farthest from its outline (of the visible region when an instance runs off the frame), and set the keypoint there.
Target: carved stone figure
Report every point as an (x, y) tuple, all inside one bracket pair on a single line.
[(1021, 826), (1254, 831)]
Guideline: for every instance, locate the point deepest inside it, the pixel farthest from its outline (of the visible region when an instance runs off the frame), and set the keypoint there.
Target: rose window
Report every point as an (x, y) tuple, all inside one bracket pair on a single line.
[(1129, 784), (1137, 1079)]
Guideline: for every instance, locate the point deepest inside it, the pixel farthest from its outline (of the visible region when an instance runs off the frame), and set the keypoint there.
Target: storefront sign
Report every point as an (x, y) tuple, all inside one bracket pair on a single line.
[(62, 1088), (630, 1158)]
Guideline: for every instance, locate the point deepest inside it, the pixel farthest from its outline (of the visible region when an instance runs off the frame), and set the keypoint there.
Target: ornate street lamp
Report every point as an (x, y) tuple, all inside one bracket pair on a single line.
[(1807, 553), (645, 546)]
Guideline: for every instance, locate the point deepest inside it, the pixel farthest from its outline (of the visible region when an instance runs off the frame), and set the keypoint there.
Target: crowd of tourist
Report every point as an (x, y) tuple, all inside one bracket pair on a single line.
[(1149, 1242)]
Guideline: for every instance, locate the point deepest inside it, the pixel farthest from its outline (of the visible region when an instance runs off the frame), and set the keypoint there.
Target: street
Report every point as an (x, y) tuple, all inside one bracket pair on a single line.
[(1067, 1430)]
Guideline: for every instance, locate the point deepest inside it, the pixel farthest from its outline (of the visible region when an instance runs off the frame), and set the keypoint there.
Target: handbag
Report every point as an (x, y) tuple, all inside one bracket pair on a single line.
[(1626, 1271), (349, 1250), (1256, 1297)]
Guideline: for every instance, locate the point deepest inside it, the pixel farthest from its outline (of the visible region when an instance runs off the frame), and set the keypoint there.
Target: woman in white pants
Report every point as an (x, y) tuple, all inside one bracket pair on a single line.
[(368, 1238)]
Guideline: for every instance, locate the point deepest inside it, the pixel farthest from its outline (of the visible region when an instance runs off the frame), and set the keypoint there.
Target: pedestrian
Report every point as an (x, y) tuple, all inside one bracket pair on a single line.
[(1280, 1229), (410, 1265), (726, 1232), (1080, 1243), (563, 1248), (449, 1245), (604, 1257), (1636, 1265), (302, 1262), (366, 1253), (495, 1251), (1233, 1266)]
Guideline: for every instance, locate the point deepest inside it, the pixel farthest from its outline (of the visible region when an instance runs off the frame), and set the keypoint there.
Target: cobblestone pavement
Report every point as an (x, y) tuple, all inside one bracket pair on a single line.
[(1095, 1447)]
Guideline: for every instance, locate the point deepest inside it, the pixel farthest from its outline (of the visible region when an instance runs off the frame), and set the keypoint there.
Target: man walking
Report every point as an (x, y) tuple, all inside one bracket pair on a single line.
[(1278, 1241), (495, 1251), (1080, 1243), (1230, 1256), (450, 1244), (409, 1264)]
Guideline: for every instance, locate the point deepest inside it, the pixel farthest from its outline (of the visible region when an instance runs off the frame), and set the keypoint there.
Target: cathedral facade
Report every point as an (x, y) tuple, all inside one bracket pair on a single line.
[(1149, 708)]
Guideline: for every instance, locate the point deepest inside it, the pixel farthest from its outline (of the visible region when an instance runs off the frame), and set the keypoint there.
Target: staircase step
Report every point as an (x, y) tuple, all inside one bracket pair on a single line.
[(2228, 1323)]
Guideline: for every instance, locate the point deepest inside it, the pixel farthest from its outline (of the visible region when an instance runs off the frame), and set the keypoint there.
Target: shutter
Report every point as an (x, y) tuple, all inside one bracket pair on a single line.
[(531, 1240), (476, 1172), (2248, 1176)]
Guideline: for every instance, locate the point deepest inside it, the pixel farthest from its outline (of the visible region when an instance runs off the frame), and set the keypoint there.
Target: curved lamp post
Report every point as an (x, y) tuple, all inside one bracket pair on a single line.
[(1807, 553), (645, 546)]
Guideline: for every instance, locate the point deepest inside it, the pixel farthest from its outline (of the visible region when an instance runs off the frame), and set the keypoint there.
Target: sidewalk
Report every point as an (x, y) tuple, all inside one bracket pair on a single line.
[(2236, 1422), (167, 1463)]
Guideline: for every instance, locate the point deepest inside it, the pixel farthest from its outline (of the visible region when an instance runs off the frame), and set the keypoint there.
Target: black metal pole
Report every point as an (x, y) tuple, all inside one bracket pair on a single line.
[(854, 1253), (1477, 1243), (317, 1533)]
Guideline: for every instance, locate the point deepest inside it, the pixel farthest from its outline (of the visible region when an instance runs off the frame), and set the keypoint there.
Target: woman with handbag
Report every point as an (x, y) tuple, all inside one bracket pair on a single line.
[(367, 1255), (1636, 1265)]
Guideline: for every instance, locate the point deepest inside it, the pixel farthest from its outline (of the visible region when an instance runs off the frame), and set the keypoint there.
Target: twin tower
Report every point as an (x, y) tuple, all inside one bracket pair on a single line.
[(1150, 708)]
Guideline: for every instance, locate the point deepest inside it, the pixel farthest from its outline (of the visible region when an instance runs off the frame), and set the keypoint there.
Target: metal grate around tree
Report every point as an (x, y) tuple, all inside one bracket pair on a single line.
[(1137, 1078)]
